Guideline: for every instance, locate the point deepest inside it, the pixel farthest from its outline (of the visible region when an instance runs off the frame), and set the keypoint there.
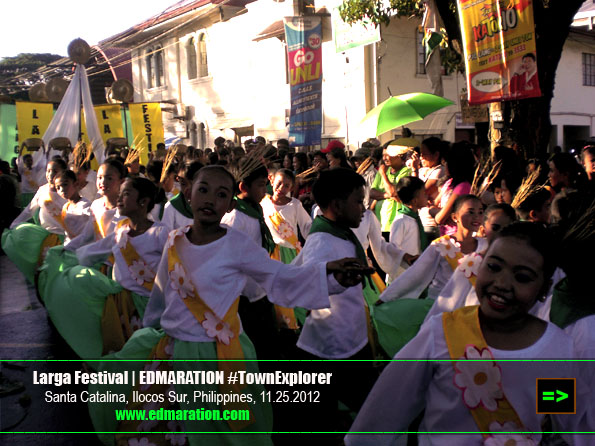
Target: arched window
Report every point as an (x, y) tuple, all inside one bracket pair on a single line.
[(203, 67), (149, 68), (191, 59), (159, 75)]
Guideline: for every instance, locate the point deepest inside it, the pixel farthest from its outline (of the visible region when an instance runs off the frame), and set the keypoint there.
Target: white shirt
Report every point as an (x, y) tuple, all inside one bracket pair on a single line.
[(99, 212), (76, 217), (338, 331), (90, 190), (431, 268), (404, 233), (173, 219), (29, 177), (243, 223), (48, 212), (293, 213), (404, 388), (219, 270), (149, 246)]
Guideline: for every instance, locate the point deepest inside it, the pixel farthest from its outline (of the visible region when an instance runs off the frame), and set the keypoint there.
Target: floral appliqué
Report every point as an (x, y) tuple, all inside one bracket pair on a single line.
[(176, 437), (480, 381), (179, 281), (508, 439), (140, 272), (448, 247), (173, 235), (144, 441), (285, 230), (469, 265), (216, 328)]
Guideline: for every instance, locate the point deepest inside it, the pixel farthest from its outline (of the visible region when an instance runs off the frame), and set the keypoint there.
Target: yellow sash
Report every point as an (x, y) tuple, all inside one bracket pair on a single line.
[(137, 267), (118, 321), (449, 249), (285, 316), (53, 209), (479, 381), (30, 181), (283, 229), (225, 332)]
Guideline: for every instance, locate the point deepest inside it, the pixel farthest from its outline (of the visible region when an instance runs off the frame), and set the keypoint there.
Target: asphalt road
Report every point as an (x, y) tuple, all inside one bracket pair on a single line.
[(26, 334)]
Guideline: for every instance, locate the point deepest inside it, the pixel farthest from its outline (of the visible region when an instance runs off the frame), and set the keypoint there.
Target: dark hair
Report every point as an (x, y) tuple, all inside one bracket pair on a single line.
[(336, 184), (188, 170), (154, 170), (539, 238), (500, 207), (59, 161), (461, 163), (534, 202), (27, 155), (339, 152), (213, 157), (461, 200), (377, 153), (258, 173), (219, 141), (286, 173), (4, 167), (146, 189), (434, 145), (113, 162), (513, 182), (407, 187), (530, 56), (303, 159), (567, 164), (587, 149), (67, 175), (221, 170)]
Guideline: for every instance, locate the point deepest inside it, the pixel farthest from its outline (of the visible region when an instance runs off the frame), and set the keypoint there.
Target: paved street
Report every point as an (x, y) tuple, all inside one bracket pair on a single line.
[(26, 333)]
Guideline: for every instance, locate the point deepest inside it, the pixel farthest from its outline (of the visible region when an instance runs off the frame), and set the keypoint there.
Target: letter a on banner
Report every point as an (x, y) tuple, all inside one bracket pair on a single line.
[(33, 119), (499, 44), (147, 127), (109, 122)]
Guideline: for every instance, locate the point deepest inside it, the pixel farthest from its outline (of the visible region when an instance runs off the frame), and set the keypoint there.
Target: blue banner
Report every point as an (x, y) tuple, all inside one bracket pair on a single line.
[(304, 53)]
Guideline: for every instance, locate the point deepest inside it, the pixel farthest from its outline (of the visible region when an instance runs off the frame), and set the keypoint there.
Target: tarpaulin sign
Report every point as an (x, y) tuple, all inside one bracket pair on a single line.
[(499, 44), (304, 53), (147, 127), (33, 119), (109, 122)]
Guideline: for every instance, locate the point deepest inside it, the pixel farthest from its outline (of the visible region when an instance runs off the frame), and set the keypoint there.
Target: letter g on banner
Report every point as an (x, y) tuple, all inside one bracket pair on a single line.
[(303, 56)]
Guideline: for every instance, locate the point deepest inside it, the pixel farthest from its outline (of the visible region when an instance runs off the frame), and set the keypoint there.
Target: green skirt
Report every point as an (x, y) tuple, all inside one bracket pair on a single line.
[(398, 321), (57, 260), (26, 198), (139, 346), (22, 245)]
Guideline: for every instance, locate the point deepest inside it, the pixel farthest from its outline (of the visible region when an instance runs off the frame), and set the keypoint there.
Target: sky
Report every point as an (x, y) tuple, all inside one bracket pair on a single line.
[(48, 26)]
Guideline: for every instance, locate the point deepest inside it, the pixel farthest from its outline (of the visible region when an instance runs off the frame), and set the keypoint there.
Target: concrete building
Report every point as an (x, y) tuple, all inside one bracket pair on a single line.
[(219, 68)]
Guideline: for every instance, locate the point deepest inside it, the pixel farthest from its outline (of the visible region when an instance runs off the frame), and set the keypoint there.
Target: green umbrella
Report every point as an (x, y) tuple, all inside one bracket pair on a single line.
[(403, 109)]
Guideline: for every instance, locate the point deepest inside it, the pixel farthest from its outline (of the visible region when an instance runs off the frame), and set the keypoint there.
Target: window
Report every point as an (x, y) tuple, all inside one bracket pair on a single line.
[(149, 68), (421, 53), (191, 59), (589, 69), (203, 66), (159, 74)]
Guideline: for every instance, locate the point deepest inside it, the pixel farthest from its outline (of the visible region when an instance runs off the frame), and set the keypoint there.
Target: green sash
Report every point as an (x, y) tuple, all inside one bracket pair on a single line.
[(405, 210), (181, 205), (567, 306), (255, 211)]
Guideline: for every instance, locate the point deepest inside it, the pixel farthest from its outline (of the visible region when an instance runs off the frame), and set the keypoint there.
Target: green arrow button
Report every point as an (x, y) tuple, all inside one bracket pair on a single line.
[(562, 395)]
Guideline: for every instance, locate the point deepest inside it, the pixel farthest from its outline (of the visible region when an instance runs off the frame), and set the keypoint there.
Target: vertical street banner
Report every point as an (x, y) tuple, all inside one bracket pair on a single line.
[(109, 122), (147, 127), (304, 55), (33, 119), (8, 131), (499, 44)]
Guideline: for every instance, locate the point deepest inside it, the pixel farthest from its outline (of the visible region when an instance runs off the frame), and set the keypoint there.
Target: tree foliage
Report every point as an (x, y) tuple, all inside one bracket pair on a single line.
[(528, 120)]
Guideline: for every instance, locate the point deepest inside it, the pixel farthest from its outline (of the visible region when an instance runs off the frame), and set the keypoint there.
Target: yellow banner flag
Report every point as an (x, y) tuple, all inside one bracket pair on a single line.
[(33, 119), (500, 52), (109, 122), (147, 127)]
